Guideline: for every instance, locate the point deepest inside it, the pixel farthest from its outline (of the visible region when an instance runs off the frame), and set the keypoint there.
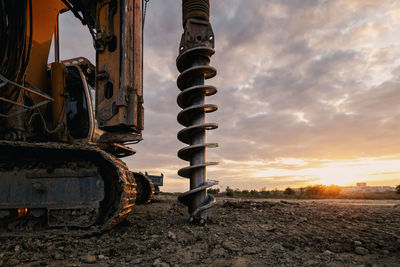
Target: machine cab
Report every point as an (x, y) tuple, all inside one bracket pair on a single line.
[(72, 85)]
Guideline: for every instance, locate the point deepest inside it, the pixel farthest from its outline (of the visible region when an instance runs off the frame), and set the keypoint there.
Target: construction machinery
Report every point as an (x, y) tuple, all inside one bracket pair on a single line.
[(195, 51), (65, 125), (157, 180)]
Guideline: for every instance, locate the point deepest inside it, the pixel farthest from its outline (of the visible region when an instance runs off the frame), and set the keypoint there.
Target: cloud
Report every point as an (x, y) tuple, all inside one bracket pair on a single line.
[(311, 80)]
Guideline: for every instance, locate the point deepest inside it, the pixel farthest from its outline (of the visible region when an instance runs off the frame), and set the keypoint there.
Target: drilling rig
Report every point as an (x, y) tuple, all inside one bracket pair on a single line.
[(65, 125), (195, 50)]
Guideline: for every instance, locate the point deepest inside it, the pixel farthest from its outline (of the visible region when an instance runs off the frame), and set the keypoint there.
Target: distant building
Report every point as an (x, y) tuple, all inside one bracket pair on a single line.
[(363, 188)]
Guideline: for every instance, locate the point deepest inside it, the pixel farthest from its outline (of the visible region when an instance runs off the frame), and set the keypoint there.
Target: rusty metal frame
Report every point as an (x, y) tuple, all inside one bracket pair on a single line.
[(35, 91)]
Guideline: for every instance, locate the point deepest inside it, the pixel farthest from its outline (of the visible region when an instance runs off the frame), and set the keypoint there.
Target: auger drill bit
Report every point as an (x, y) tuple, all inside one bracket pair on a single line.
[(193, 63)]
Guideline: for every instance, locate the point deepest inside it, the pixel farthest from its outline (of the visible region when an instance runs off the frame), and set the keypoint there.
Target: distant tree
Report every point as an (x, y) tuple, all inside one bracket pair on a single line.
[(275, 192), (264, 192), (254, 193), (229, 192), (289, 191), (309, 190), (398, 189), (332, 190), (245, 193), (314, 190), (213, 191), (237, 192), (322, 190), (301, 191)]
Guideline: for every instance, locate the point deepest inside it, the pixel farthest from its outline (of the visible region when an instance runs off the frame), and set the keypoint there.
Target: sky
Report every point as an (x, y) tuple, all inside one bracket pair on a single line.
[(308, 92)]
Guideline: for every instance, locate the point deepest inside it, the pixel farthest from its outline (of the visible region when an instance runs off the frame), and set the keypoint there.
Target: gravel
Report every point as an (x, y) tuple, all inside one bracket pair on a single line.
[(240, 233)]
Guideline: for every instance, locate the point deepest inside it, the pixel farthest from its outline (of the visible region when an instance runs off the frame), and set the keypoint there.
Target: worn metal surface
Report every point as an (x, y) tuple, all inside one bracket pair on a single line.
[(156, 179), (145, 188), (47, 179), (39, 161), (117, 150), (193, 62), (58, 83), (195, 9), (119, 96), (19, 190)]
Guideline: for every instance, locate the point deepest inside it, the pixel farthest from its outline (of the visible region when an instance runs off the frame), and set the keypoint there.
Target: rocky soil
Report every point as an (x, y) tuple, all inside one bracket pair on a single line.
[(241, 233)]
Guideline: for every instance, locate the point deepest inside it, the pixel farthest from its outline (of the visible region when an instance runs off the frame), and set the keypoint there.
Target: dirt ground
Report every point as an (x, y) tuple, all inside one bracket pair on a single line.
[(241, 233)]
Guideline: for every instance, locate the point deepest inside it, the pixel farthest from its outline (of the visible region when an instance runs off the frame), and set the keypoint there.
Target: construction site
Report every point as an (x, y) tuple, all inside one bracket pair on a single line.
[(80, 186), (240, 233)]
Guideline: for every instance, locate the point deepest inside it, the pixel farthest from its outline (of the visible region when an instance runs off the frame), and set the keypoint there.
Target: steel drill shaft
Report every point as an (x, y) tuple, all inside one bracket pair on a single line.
[(193, 63), (199, 176)]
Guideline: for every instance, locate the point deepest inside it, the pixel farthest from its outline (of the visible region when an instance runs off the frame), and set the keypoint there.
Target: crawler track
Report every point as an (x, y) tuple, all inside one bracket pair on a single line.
[(55, 163), (145, 188)]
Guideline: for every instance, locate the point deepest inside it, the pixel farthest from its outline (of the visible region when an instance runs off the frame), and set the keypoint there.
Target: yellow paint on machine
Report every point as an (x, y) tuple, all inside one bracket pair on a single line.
[(44, 21)]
